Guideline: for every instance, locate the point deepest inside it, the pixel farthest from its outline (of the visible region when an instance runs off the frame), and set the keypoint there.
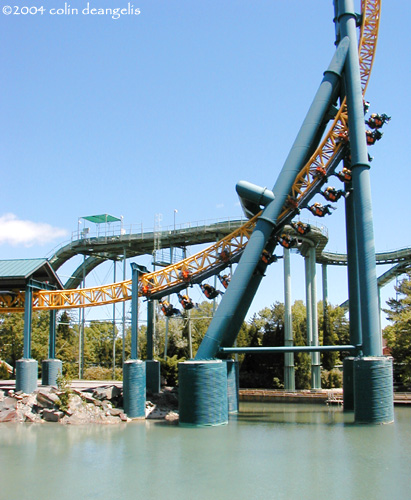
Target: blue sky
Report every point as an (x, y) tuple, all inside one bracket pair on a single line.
[(167, 110)]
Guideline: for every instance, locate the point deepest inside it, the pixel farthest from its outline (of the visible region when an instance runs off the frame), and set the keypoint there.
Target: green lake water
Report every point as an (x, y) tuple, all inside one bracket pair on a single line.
[(267, 451)]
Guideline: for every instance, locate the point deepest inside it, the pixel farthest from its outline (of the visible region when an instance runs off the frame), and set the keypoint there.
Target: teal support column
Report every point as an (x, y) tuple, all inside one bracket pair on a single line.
[(233, 385), (231, 309), (134, 370), (153, 379), (325, 294), (353, 271), (51, 368), (28, 313), (52, 334), (134, 388), (371, 336), (315, 356), (134, 310), (26, 368), (308, 300), (373, 391), (202, 393), (289, 375), (150, 324)]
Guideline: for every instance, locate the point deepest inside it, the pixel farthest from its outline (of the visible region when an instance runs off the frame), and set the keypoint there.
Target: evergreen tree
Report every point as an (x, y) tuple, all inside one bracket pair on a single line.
[(398, 334)]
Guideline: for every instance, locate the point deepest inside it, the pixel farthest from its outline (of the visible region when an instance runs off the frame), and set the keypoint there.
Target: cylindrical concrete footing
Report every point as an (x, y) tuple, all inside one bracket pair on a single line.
[(50, 368), (348, 384), (26, 375), (134, 388), (232, 385), (373, 390), (153, 379), (203, 393)]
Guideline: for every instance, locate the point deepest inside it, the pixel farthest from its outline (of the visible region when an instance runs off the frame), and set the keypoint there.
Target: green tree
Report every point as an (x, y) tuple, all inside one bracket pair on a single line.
[(11, 338), (398, 334), (67, 347)]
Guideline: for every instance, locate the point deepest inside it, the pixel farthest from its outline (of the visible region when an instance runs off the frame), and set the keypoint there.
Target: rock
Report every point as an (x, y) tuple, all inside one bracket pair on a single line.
[(109, 393), (124, 417), (115, 412), (52, 415), (87, 397), (172, 416), (8, 403), (8, 416), (33, 418), (1, 395), (47, 399)]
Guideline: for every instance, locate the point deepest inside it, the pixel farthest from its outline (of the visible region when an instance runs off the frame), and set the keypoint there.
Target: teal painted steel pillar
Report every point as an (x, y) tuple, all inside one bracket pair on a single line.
[(26, 368), (202, 393), (289, 375), (233, 385), (134, 310), (231, 309), (353, 274), (153, 379), (134, 370), (51, 368), (315, 356), (28, 313), (371, 336), (325, 294), (150, 321), (354, 302), (52, 334), (373, 391)]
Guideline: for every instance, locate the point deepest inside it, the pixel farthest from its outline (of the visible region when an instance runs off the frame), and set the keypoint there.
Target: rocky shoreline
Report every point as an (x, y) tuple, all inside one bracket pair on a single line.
[(100, 405)]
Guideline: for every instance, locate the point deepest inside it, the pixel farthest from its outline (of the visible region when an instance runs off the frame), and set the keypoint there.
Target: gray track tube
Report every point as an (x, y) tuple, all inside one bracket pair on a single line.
[(255, 194), (371, 334), (232, 307)]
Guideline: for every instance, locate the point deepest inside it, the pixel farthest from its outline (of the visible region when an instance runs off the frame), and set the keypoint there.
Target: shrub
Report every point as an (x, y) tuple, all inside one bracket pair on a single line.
[(64, 387), (331, 379), (100, 373), (4, 373), (169, 370)]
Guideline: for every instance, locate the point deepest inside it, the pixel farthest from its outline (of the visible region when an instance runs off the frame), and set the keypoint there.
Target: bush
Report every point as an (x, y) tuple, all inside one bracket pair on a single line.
[(100, 373), (64, 387), (331, 379), (4, 373), (169, 370)]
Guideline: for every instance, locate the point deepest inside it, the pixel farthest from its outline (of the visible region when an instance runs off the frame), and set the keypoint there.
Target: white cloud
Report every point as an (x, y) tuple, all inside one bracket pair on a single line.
[(14, 231), (220, 205)]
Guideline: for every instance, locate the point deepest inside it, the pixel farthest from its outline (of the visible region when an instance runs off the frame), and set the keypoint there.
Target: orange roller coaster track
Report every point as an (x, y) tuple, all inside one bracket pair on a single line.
[(228, 249)]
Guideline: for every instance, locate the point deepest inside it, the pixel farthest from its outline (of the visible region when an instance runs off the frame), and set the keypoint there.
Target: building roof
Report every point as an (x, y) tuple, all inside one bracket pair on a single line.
[(15, 273), (101, 219)]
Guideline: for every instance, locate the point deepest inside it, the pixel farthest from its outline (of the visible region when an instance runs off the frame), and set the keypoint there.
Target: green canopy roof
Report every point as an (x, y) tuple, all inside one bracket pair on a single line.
[(15, 273), (101, 219)]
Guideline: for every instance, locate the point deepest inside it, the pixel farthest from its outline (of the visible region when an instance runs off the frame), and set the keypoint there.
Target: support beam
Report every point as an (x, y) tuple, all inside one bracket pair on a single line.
[(289, 375), (315, 357), (52, 334), (371, 335), (28, 313)]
